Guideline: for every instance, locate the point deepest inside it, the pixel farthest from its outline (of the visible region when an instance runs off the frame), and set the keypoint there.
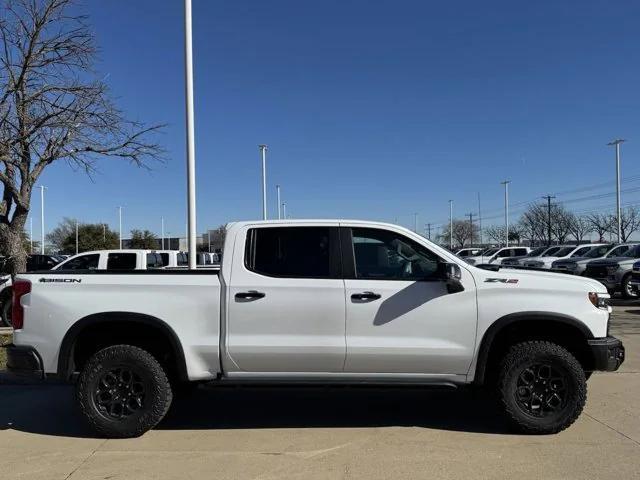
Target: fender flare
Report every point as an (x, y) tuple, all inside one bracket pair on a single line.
[(65, 353), (503, 322)]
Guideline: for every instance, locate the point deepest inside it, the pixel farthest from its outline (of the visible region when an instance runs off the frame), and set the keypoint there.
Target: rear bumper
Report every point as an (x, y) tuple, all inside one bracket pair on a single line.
[(24, 361), (608, 353)]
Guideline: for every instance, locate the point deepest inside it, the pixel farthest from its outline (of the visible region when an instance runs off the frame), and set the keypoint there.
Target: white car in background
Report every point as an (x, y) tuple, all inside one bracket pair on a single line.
[(469, 252), (497, 255), (113, 260), (563, 252)]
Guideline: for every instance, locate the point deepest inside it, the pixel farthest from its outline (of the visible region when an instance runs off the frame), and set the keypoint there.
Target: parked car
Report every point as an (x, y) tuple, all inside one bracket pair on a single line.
[(634, 283), (532, 262), (113, 260), (469, 252), (323, 301), (615, 272), (514, 261), (497, 255), (173, 258), (577, 265), (571, 251), (34, 262)]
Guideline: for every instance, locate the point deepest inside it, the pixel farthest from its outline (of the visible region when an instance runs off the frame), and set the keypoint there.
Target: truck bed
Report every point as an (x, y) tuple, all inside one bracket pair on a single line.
[(185, 301)]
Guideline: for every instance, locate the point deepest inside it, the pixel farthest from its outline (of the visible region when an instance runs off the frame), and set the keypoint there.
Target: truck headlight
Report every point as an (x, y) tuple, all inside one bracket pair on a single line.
[(599, 300)]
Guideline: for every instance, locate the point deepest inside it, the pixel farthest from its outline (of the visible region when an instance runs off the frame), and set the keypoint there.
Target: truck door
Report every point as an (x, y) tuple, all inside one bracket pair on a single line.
[(286, 300), (401, 317)]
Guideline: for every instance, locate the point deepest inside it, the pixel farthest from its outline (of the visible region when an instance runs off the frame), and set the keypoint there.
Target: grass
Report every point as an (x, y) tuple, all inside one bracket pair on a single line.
[(4, 339)]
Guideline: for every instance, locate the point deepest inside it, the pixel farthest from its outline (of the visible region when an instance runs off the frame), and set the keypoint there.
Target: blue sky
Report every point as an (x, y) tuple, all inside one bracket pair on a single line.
[(371, 109)]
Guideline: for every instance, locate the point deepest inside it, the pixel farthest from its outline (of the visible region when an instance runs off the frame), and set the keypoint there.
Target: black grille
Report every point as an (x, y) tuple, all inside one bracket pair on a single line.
[(597, 271)]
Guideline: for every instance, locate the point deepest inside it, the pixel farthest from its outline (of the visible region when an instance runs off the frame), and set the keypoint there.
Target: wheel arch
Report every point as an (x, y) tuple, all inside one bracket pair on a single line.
[(519, 325), (118, 320)]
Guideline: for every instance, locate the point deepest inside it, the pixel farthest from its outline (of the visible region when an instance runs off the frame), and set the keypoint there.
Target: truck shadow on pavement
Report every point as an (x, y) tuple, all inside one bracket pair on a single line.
[(51, 409)]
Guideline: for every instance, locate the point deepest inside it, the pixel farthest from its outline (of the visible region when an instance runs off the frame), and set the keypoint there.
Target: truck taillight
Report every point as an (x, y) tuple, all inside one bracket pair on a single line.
[(20, 288)]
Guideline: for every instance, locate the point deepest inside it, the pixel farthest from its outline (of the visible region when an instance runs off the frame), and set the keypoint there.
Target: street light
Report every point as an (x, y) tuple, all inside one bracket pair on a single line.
[(616, 143), (42, 187), (278, 195), (191, 148), (506, 211), (120, 224), (451, 225), (415, 222), (284, 210), (263, 152), (162, 232)]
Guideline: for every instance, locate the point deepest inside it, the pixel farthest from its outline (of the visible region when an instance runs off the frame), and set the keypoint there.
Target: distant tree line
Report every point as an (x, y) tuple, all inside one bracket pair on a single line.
[(538, 226)]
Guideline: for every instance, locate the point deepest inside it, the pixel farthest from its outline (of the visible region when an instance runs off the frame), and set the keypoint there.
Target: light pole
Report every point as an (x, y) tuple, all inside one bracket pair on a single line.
[(506, 211), (120, 225), (479, 220), (617, 143), (104, 235), (284, 210), (31, 235), (162, 231), (451, 225), (549, 197), (77, 237), (429, 231), (42, 187), (263, 153), (278, 195), (209, 239), (191, 147), (415, 222)]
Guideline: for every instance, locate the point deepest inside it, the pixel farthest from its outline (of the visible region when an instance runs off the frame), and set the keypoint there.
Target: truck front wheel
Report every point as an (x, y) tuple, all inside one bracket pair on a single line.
[(123, 391), (542, 387)]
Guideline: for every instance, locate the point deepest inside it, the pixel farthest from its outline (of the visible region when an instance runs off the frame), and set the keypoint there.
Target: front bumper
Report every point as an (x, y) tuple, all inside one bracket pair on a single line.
[(608, 353), (24, 361)]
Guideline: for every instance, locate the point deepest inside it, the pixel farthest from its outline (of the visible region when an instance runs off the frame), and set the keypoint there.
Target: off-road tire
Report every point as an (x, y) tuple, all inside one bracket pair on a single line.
[(624, 288), (154, 404), (521, 359)]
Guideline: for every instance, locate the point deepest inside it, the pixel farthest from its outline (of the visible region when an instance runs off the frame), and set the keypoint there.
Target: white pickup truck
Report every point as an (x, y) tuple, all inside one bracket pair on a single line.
[(315, 302)]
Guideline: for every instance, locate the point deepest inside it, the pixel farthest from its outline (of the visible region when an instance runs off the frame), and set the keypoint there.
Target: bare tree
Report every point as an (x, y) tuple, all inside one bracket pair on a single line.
[(463, 232), (495, 233), (629, 223), (600, 224), (579, 226), (53, 108), (560, 223)]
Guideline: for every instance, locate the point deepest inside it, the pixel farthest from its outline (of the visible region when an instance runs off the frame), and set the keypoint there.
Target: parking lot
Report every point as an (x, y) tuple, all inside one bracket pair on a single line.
[(267, 433)]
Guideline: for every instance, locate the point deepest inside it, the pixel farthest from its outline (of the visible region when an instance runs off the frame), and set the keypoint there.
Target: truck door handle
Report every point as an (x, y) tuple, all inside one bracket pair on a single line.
[(250, 295), (365, 296)]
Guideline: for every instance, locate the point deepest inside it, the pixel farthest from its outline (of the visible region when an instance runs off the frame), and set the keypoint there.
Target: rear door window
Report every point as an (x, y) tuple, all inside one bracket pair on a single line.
[(292, 252), (121, 261), (83, 262)]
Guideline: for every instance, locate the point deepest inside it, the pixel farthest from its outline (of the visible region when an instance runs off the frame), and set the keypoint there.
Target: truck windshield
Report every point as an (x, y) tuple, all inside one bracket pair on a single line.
[(632, 252), (596, 252), (489, 251), (564, 251), (550, 252)]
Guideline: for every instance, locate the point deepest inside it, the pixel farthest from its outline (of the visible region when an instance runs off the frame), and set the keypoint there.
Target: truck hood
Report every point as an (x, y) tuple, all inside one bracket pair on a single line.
[(614, 261), (540, 280)]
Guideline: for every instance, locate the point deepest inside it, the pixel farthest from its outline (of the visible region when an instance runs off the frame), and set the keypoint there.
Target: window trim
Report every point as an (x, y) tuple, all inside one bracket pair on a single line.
[(129, 254), (349, 257), (335, 252), (70, 260)]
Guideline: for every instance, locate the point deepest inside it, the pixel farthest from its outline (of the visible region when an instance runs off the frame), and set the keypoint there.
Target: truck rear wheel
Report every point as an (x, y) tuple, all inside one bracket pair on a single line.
[(542, 387), (123, 391)]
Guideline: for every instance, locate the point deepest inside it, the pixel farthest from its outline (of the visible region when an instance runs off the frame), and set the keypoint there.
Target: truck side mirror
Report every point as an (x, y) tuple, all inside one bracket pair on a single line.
[(452, 275)]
